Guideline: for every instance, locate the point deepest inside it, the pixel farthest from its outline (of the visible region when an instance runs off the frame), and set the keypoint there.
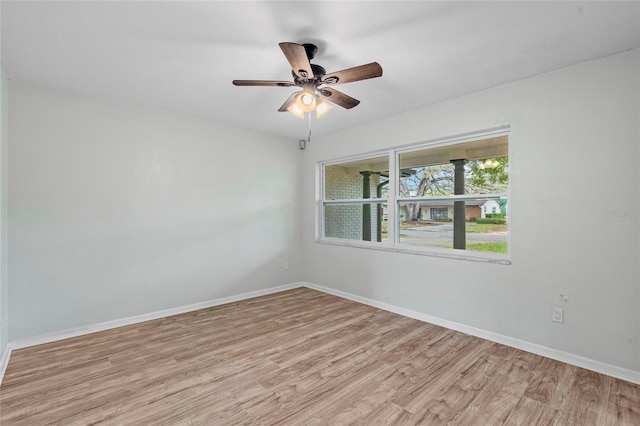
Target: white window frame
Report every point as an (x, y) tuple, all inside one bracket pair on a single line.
[(393, 201), (320, 237)]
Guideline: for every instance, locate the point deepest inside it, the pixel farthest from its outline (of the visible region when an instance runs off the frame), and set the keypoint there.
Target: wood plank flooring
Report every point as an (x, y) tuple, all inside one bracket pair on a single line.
[(301, 357)]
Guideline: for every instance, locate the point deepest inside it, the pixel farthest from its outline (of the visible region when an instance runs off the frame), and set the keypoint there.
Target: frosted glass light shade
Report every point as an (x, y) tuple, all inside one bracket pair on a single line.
[(322, 107), (306, 101), (295, 110)]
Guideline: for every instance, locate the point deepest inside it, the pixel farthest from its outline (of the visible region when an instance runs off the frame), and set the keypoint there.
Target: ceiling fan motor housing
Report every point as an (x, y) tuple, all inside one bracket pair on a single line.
[(318, 73), (311, 50)]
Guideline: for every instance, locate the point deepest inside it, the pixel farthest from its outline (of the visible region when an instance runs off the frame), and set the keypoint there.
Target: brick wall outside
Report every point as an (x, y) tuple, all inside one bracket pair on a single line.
[(345, 221), (473, 211)]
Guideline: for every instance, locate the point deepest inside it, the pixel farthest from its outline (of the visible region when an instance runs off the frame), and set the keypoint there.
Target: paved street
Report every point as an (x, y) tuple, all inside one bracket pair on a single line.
[(442, 235)]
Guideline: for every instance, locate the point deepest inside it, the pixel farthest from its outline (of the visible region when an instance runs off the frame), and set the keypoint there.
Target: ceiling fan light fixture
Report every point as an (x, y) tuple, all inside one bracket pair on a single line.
[(322, 107), (295, 110), (306, 101), (313, 80)]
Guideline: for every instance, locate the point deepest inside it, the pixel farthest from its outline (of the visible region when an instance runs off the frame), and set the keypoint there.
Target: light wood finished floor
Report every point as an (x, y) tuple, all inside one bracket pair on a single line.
[(301, 357)]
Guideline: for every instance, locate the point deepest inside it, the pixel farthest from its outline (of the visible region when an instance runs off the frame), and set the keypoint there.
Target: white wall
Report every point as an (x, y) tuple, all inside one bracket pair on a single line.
[(117, 210), (4, 311), (3, 182), (574, 146)]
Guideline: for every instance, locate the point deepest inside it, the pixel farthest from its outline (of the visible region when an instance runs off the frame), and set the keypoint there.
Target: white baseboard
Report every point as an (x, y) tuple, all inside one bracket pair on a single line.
[(93, 328), (4, 361), (590, 364)]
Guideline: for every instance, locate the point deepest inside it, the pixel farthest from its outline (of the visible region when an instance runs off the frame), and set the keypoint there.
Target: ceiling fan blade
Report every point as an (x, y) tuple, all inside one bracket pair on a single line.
[(349, 75), (289, 102), (338, 98), (297, 57), (262, 83)]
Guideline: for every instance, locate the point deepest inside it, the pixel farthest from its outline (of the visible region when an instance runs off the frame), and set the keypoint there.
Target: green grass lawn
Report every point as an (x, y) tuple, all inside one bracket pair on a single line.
[(488, 247), (481, 228), (472, 227)]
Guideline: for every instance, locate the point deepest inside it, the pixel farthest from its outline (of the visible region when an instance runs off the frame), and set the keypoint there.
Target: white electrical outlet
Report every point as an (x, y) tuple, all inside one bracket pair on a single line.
[(557, 315), (286, 266)]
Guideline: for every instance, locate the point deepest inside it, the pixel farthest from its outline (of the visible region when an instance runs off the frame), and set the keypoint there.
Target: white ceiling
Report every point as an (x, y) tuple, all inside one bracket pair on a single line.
[(183, 56)]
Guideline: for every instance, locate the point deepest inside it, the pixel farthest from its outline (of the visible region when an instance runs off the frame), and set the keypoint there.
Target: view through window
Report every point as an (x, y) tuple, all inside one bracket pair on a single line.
[(351, 186), (445, 196)]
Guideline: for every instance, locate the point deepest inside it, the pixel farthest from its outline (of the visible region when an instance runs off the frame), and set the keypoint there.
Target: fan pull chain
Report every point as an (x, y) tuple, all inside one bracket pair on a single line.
[(309, 136)]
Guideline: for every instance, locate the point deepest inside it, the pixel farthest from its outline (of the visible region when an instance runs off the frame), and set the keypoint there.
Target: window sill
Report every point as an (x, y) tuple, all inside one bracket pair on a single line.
[(417, 251)]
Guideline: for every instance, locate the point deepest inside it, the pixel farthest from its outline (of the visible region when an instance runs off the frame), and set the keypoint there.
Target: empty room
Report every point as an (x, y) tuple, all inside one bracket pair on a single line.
[(319, 212)]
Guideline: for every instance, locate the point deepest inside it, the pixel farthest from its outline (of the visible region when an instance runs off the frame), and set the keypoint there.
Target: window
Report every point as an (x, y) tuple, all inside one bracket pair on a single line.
[(355, 203), (439, 213), (431, 198)]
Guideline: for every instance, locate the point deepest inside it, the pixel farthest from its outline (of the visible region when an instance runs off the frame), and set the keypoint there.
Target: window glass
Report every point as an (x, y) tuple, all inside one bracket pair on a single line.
[(435, 230), (430, 178), (447, 196), (431, 171), (356, 179), (362, 222)]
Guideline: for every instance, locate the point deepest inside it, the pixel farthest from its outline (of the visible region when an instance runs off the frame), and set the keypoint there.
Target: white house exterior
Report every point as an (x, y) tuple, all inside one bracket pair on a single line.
[(490, 206)]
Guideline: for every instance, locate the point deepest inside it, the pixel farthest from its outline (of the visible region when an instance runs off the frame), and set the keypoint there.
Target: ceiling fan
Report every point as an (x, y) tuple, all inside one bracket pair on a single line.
[(314, 81)]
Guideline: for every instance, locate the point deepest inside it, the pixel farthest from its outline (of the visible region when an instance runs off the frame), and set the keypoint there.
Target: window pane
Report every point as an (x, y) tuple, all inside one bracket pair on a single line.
[(431, 171), (439, 213), (487, 175), (357, 179), (362, 222), (484, 232)]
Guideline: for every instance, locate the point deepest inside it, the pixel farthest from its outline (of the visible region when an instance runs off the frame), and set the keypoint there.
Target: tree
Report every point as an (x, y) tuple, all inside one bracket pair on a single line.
[(487, 176), (431, 180), (483, 176)]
